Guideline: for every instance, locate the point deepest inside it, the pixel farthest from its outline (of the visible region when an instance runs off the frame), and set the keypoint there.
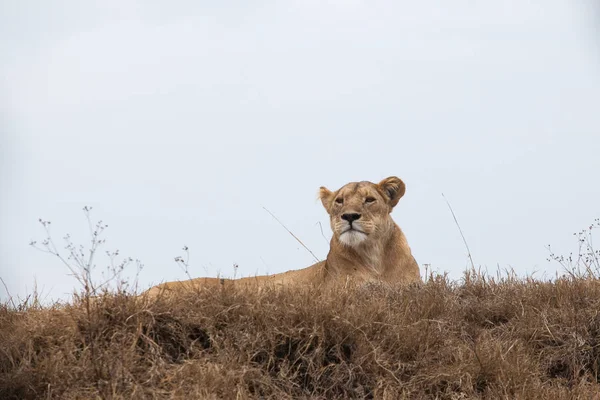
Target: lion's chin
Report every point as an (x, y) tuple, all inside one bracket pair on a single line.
[(352, 238)]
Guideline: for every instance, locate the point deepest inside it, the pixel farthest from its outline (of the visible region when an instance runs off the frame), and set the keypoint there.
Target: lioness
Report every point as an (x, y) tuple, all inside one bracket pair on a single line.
[(367, 245)]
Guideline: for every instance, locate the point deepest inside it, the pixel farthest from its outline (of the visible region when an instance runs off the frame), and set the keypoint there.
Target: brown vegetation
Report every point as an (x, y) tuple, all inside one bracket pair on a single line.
[(480, 338)]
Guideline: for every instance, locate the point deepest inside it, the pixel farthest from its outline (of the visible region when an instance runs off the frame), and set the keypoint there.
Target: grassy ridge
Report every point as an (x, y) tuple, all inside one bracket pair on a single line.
[(480, 338)]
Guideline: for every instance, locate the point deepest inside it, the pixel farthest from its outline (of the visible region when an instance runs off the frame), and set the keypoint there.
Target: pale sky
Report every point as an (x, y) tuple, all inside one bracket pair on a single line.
[(178, 121)]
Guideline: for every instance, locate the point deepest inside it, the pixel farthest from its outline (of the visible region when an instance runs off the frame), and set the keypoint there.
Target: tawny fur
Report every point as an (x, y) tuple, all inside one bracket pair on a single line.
[(375, 250)]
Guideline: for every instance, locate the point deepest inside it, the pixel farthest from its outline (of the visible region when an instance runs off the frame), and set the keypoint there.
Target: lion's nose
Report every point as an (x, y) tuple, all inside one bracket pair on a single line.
[(351, 217)]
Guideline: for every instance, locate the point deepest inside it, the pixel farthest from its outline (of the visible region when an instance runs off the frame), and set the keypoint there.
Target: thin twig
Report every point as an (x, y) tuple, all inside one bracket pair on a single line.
[(264, 263), (10, 298), (290, 232), (460, 230), (185, 264), (322, 234)]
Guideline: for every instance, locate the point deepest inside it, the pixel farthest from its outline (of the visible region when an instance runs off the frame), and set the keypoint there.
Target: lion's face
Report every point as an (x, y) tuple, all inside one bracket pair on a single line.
[(359, 212)]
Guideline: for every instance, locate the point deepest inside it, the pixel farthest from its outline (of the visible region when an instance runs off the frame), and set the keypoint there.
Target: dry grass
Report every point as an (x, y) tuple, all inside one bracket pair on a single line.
[(480, 338)]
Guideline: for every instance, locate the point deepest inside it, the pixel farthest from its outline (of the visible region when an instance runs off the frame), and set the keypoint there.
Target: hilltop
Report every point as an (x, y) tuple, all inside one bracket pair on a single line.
[(481, 337)]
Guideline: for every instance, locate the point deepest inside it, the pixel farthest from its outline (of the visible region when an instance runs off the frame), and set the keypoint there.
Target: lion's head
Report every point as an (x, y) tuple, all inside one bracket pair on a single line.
[(359, 212)]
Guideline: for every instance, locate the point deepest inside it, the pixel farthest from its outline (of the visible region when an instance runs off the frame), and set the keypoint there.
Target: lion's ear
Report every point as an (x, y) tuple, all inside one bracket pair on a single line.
[(325, 195), (393, 188)]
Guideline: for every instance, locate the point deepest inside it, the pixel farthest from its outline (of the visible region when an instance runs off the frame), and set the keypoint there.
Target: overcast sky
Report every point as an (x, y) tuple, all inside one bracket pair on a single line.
[(178, 121)]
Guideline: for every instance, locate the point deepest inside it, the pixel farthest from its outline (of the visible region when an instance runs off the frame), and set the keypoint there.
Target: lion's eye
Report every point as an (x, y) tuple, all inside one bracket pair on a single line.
[(369, 199), (339, 200)]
